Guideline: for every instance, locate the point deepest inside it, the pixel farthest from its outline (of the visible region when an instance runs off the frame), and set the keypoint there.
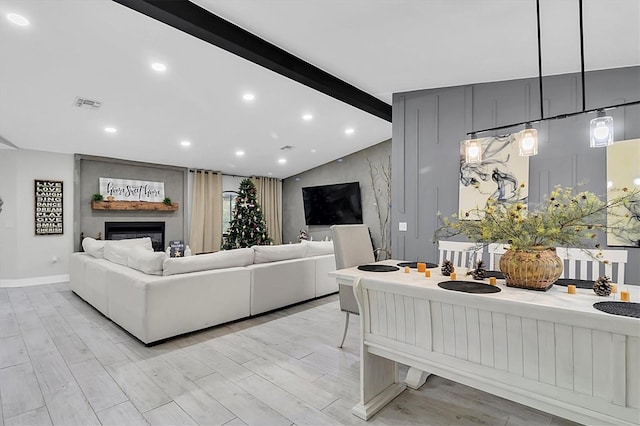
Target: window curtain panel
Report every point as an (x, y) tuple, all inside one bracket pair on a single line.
[(206, 212), (269, 192)]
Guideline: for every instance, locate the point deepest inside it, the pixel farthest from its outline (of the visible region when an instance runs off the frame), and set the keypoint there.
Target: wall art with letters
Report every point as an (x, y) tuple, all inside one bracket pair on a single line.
[(48, 208)]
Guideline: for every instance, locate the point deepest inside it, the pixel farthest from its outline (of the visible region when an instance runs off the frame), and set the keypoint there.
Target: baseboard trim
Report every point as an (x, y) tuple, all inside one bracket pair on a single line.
[(26, 282)]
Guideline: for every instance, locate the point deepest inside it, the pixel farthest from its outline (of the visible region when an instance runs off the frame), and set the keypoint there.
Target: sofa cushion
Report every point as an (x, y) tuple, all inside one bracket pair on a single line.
[(205, 262), (147, 261), (93, 247), (317, 248), (117, 254), (264, 254), (96, 247)]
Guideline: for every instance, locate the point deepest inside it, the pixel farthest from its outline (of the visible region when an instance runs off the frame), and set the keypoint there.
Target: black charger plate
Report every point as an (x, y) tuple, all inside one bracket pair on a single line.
[(378, 268), (469, 287), (414, 265)]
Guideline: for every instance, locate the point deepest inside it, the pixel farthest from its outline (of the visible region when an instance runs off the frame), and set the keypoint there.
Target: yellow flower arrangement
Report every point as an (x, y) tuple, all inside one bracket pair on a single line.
[(565, 218)]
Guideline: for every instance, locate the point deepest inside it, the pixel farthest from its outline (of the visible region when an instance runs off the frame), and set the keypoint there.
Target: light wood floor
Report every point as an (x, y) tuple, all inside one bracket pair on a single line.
[(62, 362)]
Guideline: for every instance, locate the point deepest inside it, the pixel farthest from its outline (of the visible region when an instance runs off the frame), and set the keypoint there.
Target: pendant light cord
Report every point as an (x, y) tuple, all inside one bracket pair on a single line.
[(584, 91), (540, 58)]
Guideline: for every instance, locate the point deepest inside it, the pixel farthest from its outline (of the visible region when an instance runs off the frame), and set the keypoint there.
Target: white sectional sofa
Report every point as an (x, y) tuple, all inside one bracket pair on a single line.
[(154, 297)]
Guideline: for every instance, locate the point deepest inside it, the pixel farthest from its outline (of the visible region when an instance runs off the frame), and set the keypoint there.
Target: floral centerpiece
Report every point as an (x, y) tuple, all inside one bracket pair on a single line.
[(567, 217)]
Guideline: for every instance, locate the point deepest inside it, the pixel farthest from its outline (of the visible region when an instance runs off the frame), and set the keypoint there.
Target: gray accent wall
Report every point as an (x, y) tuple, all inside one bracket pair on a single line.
[(89, 169), (351, 168), (428, 126)]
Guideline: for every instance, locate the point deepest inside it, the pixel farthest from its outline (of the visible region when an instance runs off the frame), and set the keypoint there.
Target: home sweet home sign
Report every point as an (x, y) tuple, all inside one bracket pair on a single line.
[(48, 209)]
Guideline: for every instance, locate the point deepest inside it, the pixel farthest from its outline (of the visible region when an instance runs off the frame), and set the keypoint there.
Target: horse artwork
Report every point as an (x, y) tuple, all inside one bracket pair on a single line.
[(499, 176)]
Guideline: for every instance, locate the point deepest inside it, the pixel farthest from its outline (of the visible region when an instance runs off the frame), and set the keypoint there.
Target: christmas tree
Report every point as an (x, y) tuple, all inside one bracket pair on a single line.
[(247, 226)]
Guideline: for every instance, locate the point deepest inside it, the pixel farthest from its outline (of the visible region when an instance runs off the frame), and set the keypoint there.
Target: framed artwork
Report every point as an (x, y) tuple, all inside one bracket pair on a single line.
[(131, 190), (623, 171), (498, 175), (48, 207)]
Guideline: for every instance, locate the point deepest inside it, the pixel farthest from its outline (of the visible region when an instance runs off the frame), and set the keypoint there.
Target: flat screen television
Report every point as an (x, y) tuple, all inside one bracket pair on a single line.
[(332, 204)]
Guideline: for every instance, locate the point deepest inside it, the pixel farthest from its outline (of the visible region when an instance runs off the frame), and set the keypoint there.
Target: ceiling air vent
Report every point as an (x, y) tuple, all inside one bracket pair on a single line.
[(287, 148), (87, 103)]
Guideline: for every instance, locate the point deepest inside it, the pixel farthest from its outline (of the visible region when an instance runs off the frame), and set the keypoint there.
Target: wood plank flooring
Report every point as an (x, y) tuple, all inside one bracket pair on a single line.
[(64, 363)]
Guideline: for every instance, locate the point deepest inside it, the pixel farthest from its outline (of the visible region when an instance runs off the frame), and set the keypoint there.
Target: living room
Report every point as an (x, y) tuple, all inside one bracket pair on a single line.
[(475, 85)]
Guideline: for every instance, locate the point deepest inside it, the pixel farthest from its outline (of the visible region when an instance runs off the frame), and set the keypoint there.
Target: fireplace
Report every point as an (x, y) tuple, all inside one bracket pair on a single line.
[(126, 230)]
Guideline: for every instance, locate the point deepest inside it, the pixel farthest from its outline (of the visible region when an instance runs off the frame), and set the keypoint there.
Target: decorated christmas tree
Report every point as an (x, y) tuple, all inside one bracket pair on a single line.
[(247, 226)]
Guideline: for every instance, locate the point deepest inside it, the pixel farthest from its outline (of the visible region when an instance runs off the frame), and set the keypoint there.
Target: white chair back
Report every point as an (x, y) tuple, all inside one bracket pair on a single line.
[(461, 254), (585, 265), (496, 250), (351, 245)]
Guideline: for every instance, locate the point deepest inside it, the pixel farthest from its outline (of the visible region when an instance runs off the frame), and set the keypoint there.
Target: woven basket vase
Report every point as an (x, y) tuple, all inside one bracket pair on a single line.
[(535, 269)]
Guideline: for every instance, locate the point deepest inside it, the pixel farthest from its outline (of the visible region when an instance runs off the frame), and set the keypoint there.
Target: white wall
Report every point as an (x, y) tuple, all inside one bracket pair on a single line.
[(24, 257)]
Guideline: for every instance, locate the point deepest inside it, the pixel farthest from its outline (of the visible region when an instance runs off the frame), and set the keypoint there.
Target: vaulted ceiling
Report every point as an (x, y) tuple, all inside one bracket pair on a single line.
[(102, 50)]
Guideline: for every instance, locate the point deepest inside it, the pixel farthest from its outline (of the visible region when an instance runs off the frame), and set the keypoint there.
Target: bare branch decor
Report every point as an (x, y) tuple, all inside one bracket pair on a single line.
[(380, 181)]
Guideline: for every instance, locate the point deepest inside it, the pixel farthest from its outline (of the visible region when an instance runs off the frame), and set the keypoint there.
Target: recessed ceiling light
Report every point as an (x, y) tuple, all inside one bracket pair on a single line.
[(239, 153), (349, 131), (340, 160), (270, 174), (157, 66), (185, 143), (282, 160), (274, 135), (18, 19), (248, 97), (297, 178), (307, 117), (313, 150), (110, 129)]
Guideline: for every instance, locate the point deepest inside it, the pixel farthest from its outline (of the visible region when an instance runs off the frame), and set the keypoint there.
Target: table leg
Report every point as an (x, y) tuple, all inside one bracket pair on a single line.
[(416, 378), (379, 384)]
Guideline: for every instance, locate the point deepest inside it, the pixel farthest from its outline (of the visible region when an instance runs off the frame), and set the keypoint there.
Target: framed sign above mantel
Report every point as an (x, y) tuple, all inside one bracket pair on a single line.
[(131, 190), (131, 195)]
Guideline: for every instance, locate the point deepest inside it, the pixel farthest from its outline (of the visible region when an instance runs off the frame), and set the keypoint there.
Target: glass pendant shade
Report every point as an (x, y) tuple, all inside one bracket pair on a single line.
[(601, 131), (472, 151), (528, 143)]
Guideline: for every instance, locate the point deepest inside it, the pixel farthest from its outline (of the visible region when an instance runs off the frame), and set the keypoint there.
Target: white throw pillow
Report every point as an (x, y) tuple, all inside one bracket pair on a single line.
[(147, 261), (132, 242), (317, 248), (117, 254), (205, 262), (93, 247), (265, 254)]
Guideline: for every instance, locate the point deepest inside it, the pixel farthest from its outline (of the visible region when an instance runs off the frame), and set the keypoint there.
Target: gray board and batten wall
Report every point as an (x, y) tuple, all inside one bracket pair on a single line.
[(428, 126), (88, 170), (351, 168)]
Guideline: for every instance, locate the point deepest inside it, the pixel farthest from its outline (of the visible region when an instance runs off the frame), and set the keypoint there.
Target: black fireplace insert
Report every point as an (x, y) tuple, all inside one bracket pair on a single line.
[(126, 230)]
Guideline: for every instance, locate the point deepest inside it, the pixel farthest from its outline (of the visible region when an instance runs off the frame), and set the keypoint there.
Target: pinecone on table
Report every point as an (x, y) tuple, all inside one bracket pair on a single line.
[(447, 268), (479, 272), (602, 286)]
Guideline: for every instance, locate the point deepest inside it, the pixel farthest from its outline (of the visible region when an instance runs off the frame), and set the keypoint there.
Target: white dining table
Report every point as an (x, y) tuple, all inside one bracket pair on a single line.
[(550, 350)]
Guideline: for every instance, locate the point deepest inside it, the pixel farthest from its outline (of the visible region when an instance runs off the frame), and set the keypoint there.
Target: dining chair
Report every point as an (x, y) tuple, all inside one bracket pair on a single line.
[(495, 251), (588, 265), (461, 254), (352, 247)]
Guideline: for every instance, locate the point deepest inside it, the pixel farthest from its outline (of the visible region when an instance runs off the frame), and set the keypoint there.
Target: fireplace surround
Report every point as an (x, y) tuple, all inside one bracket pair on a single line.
[(126, 230)]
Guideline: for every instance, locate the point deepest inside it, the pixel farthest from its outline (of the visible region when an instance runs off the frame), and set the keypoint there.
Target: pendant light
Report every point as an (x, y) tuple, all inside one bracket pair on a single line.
[(528, 141), (472, 150), (601, 130)]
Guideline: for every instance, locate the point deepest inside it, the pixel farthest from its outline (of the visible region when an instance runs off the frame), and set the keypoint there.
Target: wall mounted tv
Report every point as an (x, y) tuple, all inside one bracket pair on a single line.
[(332, 204)]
